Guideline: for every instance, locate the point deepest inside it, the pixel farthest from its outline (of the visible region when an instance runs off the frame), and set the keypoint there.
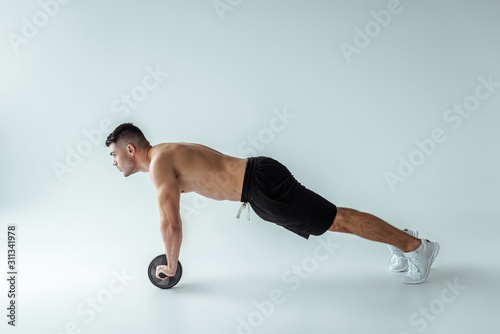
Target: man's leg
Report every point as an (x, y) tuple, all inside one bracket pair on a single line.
[(370, 227)]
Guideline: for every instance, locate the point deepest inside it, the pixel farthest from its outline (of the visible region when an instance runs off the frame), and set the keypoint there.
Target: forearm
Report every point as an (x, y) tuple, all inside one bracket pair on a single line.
[(171, 232)]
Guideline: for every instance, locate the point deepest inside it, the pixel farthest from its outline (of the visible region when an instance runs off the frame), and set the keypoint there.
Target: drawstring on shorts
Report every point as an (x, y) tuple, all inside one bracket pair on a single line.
[(242, 207)]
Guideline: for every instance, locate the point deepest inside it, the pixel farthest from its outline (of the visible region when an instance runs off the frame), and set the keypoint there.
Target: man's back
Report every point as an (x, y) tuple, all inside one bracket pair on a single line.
[(201, 169)]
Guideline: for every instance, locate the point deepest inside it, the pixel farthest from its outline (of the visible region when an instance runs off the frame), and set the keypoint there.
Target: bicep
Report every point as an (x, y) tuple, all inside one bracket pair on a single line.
[(168, 194), (168, 204)]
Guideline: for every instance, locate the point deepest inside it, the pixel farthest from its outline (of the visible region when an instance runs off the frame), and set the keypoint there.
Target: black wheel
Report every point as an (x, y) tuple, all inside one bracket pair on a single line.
[(169, 282)]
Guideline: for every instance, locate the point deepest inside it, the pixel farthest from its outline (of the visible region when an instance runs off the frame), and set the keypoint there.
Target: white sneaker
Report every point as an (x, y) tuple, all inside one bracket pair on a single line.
[(398, 261), (420, 262)]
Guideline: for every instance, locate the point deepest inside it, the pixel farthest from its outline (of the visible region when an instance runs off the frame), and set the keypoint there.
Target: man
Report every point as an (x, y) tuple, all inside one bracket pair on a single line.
[(267, 185)]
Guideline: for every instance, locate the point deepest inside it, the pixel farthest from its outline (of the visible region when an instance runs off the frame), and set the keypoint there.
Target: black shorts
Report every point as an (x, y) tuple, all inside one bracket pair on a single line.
[(276, 196)]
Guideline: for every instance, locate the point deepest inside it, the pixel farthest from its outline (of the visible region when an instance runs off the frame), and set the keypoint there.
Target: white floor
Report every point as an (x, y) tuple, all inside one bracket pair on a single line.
[(242, 280)]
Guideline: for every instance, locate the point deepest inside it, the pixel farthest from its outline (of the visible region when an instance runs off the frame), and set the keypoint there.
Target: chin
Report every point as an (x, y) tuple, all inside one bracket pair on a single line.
[(129, 173)]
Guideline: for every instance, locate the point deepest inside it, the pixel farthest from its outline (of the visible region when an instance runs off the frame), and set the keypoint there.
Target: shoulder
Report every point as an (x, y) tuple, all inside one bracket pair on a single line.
[(163, 155), (162, 166)]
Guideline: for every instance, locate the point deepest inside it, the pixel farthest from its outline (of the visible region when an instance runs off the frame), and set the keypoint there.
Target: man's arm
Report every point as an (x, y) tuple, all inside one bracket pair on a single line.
[(164, 179)]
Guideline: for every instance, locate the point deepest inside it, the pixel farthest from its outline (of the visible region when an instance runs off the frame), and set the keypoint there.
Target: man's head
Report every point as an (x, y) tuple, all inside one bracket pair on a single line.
[(126, 145)]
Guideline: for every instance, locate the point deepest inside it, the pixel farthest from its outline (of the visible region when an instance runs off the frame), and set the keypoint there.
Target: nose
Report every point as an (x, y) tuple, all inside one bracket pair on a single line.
[(114, 162)]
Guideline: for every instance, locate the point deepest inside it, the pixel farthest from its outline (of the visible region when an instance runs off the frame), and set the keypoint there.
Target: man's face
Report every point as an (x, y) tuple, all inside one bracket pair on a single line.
[(123, 159)]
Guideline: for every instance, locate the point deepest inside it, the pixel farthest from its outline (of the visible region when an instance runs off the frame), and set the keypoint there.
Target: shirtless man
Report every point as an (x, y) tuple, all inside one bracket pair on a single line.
[(267, 185)]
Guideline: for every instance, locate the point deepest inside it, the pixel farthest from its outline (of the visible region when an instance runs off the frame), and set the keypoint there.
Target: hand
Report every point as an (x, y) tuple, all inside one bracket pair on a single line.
[(166, 270)]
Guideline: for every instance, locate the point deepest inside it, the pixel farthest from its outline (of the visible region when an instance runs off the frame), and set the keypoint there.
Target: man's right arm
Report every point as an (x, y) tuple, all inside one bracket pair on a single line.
[(167, 188)]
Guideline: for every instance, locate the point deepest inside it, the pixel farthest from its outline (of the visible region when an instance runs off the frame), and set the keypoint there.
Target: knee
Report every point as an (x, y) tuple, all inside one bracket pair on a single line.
[(336, 228), (341, 221)]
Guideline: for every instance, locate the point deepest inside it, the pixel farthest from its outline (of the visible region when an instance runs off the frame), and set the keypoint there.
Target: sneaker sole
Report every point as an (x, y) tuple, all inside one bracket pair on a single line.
[(400, 270), (435, 253)]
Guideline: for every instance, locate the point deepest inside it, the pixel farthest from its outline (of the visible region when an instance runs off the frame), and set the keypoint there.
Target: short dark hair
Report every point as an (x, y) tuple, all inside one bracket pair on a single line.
[(130, 133)]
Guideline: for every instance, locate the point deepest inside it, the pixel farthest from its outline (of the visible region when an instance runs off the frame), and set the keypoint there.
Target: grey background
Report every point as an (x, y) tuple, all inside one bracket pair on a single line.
[(229, 73)]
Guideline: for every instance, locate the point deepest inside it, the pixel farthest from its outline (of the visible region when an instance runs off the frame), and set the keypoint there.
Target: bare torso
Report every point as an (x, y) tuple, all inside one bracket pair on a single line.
[(203, 170)]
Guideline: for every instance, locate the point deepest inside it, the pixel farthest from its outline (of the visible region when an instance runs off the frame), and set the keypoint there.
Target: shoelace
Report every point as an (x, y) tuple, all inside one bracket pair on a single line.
[(396, 253), (412, 268), (242, 207)]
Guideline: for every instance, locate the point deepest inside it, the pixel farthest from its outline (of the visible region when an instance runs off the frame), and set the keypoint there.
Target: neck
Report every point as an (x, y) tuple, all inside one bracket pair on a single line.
[(145, 160)]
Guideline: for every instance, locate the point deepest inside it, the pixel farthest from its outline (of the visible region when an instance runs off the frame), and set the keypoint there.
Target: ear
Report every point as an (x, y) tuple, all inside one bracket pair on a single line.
[(131, 149)]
